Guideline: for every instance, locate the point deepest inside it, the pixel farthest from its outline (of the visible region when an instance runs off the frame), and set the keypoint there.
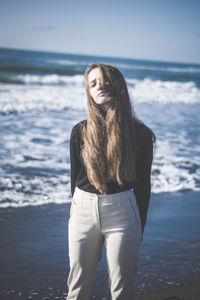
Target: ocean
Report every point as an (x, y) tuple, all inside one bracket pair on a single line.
[(42, 95)]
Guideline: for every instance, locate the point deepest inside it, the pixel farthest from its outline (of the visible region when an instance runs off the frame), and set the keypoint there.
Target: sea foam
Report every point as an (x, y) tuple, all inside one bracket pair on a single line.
[(54, 92)]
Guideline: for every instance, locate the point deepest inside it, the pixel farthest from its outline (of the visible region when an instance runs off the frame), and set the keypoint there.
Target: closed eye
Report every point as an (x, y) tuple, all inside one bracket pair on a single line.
[(93, 83)]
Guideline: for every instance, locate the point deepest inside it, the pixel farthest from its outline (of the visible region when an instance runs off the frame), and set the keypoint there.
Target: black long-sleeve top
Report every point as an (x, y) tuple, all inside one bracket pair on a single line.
[(141, 186)]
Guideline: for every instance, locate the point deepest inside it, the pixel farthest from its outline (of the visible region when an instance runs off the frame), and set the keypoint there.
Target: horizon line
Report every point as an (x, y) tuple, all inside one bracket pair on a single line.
[(102, 56)]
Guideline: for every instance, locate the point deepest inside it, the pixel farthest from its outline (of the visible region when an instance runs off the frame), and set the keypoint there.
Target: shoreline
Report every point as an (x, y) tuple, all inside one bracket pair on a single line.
[(34, 260)]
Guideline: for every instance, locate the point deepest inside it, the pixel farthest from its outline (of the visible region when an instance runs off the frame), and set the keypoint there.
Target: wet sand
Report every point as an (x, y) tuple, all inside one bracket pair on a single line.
[(34, 261), (184, 292)]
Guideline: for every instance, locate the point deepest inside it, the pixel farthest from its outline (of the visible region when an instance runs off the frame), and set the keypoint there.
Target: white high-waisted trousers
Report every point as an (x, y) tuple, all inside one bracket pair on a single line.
[(95, 218)]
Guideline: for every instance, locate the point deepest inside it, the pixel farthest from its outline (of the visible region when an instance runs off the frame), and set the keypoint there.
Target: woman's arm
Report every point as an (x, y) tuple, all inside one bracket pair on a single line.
[(75, 161), (142, 186)]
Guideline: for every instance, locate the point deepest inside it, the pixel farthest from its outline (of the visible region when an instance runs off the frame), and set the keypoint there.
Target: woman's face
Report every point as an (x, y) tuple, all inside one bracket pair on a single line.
[(97, 91)]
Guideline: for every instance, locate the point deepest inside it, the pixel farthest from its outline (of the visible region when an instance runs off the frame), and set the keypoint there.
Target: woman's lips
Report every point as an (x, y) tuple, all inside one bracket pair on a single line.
[(101, 94)]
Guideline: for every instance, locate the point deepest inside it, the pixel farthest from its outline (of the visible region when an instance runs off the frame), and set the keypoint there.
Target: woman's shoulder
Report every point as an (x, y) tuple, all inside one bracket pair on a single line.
[(76, 133), (77, 127), (143, 133)]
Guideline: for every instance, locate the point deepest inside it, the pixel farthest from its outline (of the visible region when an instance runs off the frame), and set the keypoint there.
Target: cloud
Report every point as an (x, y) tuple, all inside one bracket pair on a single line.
[(44, 28)]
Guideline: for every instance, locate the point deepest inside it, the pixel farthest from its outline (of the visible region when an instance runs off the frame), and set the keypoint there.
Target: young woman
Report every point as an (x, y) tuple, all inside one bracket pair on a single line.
[(111, 156)]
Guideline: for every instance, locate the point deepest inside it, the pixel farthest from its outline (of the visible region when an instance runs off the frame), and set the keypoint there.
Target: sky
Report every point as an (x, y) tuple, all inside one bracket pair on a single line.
[(162, 30)]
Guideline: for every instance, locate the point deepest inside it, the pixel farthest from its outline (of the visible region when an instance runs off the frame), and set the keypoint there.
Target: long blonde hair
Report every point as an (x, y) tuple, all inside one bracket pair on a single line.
[(109, 138)]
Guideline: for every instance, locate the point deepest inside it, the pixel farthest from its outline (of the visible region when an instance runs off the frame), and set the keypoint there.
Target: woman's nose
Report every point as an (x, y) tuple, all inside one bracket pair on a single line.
[(99, 86)]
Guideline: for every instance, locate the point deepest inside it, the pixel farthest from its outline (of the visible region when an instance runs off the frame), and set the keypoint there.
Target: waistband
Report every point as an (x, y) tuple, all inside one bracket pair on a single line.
[(91, 196)]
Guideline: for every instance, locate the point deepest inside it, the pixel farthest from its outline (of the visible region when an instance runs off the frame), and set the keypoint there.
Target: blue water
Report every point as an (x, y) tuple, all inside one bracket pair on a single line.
[(42, 95)]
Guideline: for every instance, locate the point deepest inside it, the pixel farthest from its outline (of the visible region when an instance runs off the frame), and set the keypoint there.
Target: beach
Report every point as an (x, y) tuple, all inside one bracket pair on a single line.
[(34, 258), (184, 292)]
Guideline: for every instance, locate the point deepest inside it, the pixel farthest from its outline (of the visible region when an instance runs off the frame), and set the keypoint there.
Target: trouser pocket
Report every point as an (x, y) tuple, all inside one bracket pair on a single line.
[(71, 209), (73, 203)]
